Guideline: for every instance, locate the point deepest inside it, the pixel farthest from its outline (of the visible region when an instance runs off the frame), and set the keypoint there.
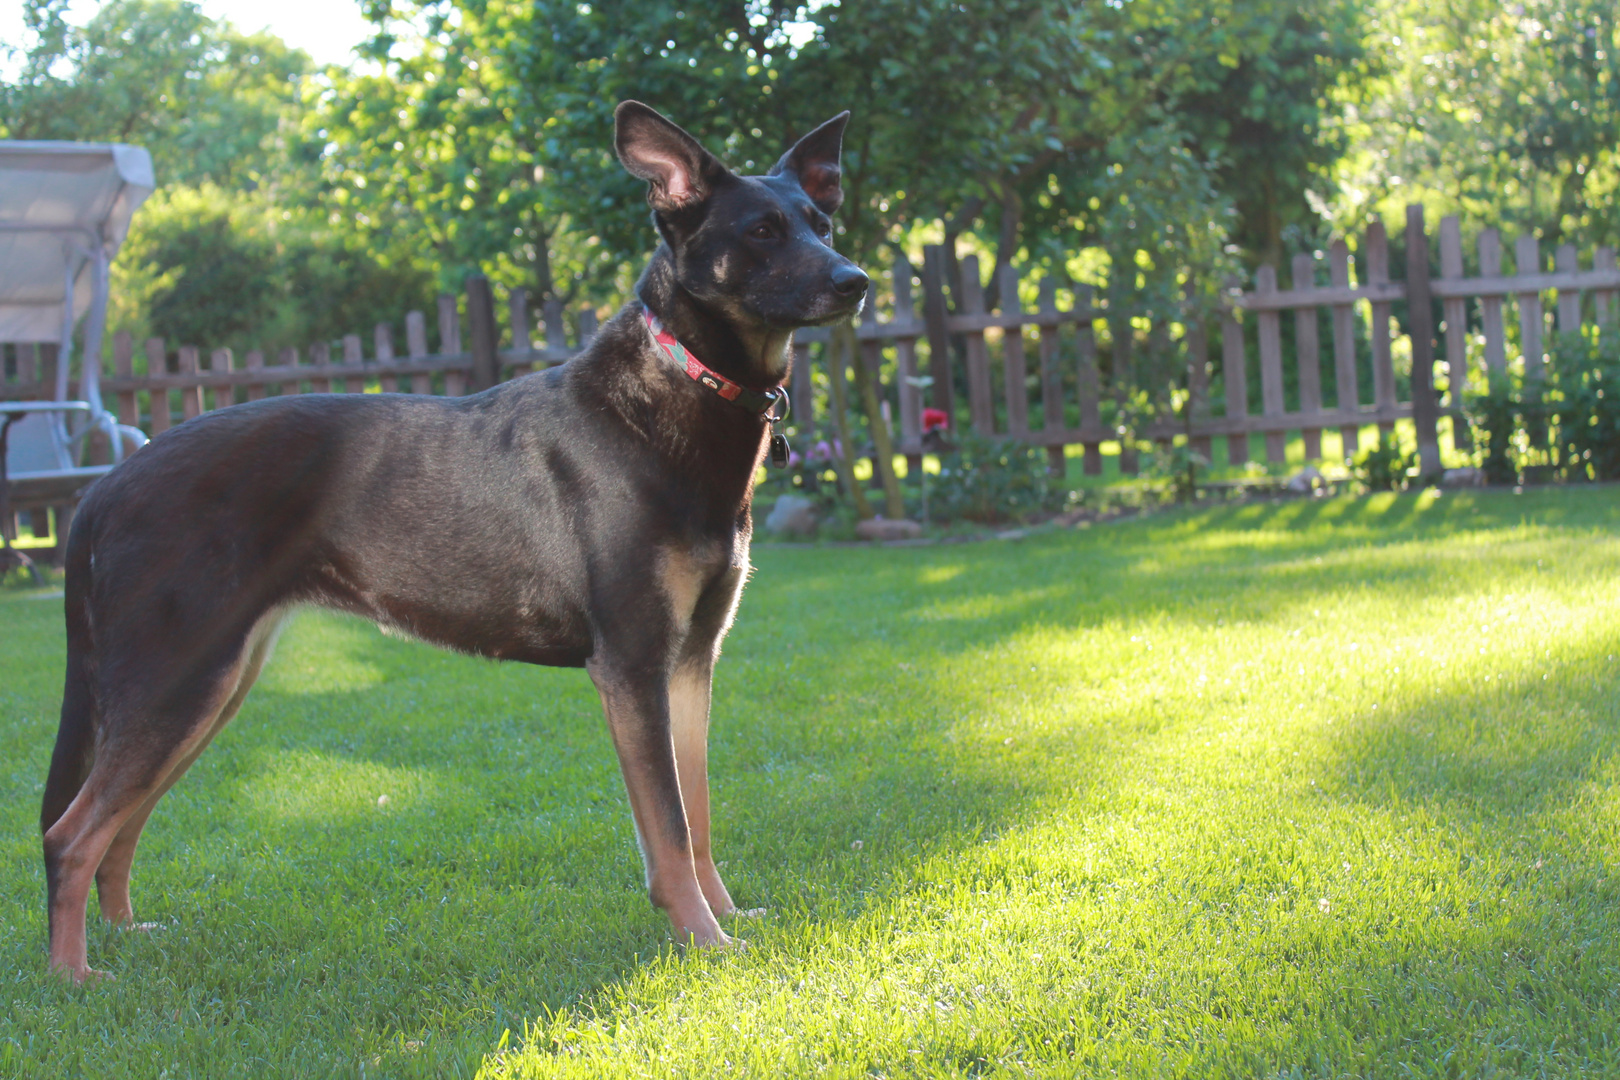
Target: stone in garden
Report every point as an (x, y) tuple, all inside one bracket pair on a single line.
[(883, 529), (1306, 480), (1467, 477), (793, 515)]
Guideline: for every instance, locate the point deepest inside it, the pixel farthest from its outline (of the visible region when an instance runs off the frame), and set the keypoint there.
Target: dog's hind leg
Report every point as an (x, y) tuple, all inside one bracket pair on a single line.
[(637, 705), (112, 876), (145, 747)]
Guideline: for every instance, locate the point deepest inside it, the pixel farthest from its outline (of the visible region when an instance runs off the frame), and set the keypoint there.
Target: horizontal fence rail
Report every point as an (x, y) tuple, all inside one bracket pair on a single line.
[(1313, 354)]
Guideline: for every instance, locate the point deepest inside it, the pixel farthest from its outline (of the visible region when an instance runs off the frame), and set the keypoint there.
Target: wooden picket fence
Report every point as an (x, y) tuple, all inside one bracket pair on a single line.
[(1059, 381)]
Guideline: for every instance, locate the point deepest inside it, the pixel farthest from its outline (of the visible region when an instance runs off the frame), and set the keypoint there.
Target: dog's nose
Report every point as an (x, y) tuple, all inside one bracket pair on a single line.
[(849, 281)]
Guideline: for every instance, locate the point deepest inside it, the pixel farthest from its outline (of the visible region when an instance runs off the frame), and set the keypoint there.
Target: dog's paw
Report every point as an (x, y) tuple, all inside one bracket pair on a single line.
[(85, 976)]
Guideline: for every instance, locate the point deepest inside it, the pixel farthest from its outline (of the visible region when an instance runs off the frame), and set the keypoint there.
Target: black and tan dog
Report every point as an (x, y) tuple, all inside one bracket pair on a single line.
[(595, 515)]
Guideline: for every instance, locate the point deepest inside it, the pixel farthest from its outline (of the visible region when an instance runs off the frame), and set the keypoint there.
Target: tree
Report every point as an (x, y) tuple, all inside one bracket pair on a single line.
[(1507, 114), (206, 100)]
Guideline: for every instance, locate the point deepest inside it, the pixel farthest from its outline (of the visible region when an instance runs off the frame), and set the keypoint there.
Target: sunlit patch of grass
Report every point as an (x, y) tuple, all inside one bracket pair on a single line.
[(1315, 788)]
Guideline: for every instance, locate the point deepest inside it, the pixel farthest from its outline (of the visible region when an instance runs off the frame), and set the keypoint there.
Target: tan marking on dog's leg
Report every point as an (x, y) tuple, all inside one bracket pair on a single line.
[(112, 876), (647, 759), (683, 577), (689, 730), (74, 848)]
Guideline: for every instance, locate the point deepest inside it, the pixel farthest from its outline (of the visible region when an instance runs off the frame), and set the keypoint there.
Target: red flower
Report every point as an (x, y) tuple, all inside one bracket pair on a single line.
[(935, 420)]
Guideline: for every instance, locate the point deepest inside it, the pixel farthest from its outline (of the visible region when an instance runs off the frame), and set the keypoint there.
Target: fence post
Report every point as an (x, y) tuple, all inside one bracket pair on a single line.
[(1420, 322), (486, 371), (939, 340)]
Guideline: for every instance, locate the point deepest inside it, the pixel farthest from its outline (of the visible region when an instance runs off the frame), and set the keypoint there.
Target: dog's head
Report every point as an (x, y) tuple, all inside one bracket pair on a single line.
[(758, 248)]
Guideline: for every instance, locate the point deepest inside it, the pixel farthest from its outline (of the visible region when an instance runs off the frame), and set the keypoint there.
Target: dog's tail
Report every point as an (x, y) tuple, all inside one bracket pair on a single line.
[(75, 737)]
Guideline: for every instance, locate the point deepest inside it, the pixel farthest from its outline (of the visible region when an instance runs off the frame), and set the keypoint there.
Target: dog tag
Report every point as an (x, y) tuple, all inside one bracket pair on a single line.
[(779, 451)]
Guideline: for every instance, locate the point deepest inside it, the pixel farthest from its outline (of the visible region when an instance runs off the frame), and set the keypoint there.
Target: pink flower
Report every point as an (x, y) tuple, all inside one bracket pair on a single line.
[(935, 420)]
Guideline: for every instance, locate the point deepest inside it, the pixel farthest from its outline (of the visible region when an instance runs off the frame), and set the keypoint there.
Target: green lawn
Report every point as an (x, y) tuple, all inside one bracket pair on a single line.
[(1318, 788)]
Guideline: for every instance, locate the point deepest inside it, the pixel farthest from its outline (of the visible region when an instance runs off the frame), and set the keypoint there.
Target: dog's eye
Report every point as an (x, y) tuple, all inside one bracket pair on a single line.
[(762, 231), (823, 229)]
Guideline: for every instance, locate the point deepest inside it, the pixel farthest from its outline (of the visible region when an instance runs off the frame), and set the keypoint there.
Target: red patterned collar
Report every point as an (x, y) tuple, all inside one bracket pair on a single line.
[(755, 401)]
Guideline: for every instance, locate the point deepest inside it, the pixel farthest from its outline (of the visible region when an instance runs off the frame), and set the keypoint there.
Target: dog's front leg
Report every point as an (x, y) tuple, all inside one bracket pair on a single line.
[(637, 703), (689, 715)]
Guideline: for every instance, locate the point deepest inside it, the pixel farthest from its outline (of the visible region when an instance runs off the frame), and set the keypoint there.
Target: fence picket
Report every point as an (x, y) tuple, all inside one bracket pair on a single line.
[(320, 357), (1490, 308), (804, 396), (1051, 376), (1307, 349), (191, 401), (1122, 332), (1527, 260), (1344, 349), (1569, 300), (556, 330), (254, 362), (289, 358), (222, 360), (939, 342), (1383, 362), (1088, 379), (129, 407), (382, 338), (517, 318), (1196, 342), (905, 355), (1420, 318), (1271, 372), (455, 382), (1014, 375), (1455, 312), (981, 399), (416, 347), (1235, 374), (352, 354), (1603, 259)]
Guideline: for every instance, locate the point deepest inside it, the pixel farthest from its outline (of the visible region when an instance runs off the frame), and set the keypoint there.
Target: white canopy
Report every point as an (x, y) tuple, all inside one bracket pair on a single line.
[(64, 207)]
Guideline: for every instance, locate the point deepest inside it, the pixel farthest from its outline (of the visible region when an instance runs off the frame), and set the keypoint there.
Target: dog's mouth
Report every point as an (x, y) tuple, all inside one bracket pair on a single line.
[(833, 309)]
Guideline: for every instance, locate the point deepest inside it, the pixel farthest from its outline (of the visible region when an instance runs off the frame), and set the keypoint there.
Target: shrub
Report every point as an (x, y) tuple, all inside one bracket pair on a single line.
[(1384, 467), (1586, 375), (993, 480), (1494, 418)]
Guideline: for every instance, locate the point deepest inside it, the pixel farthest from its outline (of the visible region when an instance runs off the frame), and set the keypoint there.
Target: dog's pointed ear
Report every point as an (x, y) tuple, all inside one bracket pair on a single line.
[(813, 161), (678, 171)]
